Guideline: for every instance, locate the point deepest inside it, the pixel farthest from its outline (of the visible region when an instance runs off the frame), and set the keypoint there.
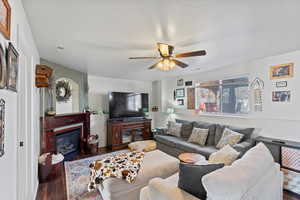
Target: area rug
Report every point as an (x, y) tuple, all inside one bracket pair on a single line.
[(77, 177)]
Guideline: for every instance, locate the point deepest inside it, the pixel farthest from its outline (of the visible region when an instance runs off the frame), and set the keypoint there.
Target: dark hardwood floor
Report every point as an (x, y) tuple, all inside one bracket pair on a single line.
[(56, 188)]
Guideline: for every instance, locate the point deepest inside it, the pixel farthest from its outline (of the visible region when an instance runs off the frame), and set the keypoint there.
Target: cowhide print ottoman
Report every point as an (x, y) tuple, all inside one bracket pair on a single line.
[(155, 164)]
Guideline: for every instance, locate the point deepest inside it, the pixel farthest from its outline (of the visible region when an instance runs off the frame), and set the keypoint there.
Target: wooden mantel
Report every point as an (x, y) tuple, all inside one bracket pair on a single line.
[(50, 123)]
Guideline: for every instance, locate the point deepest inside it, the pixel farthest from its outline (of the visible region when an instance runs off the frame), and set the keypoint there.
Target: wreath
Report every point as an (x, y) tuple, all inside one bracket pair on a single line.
[(63, 91)]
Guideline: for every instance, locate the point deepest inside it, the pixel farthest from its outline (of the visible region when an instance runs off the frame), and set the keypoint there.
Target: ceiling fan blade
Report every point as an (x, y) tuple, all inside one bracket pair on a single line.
[(153, 66), (145, 57), (191, 54), (180, 64)]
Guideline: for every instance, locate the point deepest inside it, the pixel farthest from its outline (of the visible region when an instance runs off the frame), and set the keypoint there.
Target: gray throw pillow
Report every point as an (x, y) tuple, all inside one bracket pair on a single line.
[(174, 129), (247, 132), (190, 177), (186, 129), (210, 141)]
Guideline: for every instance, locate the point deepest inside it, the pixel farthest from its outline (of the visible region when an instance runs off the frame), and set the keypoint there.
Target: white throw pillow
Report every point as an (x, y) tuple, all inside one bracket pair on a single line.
[(229, 137), (198, 136), (226, 155), (174, 129)]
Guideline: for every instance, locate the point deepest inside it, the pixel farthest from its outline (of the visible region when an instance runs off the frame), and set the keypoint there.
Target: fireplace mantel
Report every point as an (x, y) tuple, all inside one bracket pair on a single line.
[(51, 123)]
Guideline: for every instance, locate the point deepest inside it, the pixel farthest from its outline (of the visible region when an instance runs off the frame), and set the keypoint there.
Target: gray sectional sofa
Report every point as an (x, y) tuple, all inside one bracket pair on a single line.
[(176, 145)]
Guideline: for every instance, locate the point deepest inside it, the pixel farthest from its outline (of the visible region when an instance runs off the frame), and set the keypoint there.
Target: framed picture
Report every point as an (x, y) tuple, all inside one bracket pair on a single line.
[(282, 71), (180, 93), (180, 82), (280, 84), (189, 83), (12, 67), (281, 96), (3, 69), (180, 102), (5, 18), (2, 122), (190, 94)]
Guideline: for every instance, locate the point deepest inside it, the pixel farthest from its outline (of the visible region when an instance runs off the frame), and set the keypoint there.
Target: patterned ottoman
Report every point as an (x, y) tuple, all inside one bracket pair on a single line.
[(155, 164)]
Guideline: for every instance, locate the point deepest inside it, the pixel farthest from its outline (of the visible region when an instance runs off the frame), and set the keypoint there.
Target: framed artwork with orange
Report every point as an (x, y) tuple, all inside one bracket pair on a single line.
[(282, 71), (5, 18)]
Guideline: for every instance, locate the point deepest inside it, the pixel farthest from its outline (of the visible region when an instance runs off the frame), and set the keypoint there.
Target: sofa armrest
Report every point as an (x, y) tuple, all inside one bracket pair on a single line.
[(162, 189), (243, 147)]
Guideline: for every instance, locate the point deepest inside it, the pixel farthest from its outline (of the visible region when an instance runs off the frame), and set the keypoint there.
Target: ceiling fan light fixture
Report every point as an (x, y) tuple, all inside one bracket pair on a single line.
[(167, 60), (163, 48), (172, 64), (166, 65)]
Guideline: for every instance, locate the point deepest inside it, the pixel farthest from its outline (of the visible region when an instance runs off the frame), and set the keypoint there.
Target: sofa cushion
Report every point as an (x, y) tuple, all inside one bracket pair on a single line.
[(166, 189), (174, 129), (195, 148), (168, 140), (232, 182), (190, 176), (186, 129), (247, 132), (198, 136), (211, 133)]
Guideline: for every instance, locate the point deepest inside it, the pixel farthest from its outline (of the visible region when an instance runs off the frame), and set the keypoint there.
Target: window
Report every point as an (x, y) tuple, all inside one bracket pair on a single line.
[(223, 96)]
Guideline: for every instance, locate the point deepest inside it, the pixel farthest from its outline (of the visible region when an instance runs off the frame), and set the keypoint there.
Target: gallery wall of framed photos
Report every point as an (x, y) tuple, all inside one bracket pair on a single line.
[(5, 72), (9, 64), (280, 74), (184, 94)]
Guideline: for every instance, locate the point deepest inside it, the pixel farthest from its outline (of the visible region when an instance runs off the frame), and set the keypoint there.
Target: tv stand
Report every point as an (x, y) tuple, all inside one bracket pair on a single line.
[(121, 133)]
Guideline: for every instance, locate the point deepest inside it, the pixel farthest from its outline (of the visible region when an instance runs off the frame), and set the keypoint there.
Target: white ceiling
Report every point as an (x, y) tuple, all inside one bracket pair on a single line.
[(100, 35)]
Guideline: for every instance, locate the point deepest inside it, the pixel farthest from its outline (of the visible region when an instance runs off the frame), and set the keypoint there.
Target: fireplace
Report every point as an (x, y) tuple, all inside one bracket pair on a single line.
[(67, 134), (68, 143)]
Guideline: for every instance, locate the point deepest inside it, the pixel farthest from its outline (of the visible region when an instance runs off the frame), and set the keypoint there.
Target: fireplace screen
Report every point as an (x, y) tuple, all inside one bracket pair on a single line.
[(68, 142)]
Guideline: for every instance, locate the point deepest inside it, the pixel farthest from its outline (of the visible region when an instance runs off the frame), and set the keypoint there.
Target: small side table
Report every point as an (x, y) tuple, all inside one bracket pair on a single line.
[(191, 158)]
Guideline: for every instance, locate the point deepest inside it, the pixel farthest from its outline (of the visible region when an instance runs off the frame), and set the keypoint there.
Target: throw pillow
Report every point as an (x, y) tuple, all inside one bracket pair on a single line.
[(226, 155), (190, 177), (229, 137), (186, 129), (247, 132), (198, 136), (174, 129), (211, 133)]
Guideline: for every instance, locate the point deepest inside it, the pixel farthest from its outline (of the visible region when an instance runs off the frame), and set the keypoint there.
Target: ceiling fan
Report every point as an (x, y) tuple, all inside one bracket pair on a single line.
[(167, 60)]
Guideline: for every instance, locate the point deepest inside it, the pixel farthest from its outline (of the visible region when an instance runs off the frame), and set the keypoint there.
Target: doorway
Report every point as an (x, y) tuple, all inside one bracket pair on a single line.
[(25, 159)]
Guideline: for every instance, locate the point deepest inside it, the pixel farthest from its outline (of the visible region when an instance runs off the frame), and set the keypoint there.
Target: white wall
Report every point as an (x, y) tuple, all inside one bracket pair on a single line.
[(22, 39), (279, 120), (99, 87)]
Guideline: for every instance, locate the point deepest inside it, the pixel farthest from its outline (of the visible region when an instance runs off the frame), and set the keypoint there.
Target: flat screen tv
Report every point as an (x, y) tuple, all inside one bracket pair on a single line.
[(124, 105)]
